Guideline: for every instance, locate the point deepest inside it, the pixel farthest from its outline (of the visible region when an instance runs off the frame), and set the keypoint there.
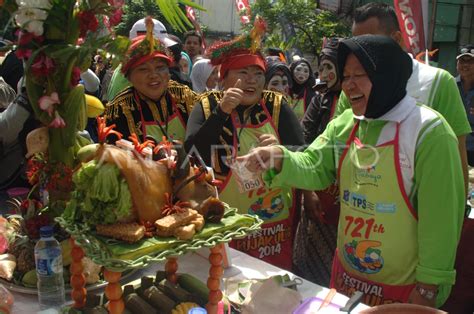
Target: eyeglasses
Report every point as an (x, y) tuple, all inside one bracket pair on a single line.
[(467, 50)]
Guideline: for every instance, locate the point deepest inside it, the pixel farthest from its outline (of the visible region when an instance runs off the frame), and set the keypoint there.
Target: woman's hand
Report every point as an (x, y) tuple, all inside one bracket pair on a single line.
[(263, 158), (267, 140), (232, 97), (416, 298), (312, 205)]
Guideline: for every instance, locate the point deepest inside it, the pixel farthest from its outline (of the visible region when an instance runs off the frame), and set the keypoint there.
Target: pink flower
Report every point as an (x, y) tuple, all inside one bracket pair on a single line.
[(46, 103), (3, 244), (43, 65), (58, 122), (116, 3)]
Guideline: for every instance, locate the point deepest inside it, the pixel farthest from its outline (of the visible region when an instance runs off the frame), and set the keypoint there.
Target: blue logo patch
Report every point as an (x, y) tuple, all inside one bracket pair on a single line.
[(347, 195), (386, 208)]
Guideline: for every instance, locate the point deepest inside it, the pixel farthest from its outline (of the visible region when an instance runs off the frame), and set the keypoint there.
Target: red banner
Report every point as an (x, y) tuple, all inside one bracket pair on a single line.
[(191, 15), (243, 5), (410, 18)]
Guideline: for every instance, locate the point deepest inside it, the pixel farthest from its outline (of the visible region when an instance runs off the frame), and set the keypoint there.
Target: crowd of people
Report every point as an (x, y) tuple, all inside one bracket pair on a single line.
[(359, 169)]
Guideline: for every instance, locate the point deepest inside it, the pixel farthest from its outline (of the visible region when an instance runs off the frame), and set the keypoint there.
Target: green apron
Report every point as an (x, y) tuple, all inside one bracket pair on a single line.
[(377, 237), (273, 243), (173, 128)]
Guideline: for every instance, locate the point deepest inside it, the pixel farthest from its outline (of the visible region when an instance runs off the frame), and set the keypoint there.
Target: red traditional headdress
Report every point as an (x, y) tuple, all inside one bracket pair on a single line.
[(144, 48), (240, 52)]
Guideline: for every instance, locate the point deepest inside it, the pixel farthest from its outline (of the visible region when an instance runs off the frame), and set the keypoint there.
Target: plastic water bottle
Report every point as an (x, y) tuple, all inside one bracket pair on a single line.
[(49, 270)]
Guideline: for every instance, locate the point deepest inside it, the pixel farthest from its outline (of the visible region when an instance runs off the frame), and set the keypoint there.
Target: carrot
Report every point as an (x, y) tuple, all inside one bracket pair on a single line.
[(113, 291), (112, 276), (79, 295), (171, 266), (213, 284), (78, 281), (77, 253), (76, 268), (116, 307), (215, 259), (216, 272), (215, 296)]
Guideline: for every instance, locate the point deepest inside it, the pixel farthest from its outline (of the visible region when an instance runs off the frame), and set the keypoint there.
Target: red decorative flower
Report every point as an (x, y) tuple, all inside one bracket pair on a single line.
[(116, 17), (103, 130), (42, 66), (26, 42), (75, 76), (23, 53), (87, 22)]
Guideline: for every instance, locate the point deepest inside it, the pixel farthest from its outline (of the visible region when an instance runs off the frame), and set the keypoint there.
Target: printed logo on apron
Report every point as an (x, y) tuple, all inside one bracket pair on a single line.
[(268, 206)]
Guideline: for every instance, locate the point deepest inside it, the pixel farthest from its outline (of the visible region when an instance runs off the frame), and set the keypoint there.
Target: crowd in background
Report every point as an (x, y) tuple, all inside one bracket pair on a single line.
[(248, 100)]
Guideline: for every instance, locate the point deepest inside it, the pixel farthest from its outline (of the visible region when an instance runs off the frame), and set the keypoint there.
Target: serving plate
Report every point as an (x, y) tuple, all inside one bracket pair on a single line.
[(12, 286)]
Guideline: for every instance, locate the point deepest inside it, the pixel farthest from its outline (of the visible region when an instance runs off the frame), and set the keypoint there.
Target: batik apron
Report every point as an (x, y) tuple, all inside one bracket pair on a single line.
[(173, 126), (273, 243), (329, 197), (377, 240)]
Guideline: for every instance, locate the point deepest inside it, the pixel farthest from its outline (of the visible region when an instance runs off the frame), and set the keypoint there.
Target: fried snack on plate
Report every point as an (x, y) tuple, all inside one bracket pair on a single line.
[(198, 222), (185, 232), (128, 232), (165, 226)]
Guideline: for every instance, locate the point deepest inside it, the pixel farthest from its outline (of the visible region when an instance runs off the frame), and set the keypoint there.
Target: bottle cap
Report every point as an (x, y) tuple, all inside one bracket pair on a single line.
[(197, 310), (46, 231)]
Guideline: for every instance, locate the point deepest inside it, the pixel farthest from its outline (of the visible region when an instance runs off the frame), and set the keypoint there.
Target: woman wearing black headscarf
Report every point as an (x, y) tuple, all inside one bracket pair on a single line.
[(301, 92), (400, 178)]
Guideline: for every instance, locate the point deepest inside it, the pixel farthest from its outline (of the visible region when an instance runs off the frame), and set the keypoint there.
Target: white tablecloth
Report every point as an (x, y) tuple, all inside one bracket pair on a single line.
[(244, 267)]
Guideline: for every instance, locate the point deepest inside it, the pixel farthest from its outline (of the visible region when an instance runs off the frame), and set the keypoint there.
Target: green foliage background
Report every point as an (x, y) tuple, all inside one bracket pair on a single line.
[(311, 24)]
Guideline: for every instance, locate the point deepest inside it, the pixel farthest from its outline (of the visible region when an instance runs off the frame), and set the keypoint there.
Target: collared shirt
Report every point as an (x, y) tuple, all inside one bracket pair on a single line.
[(435, 189)]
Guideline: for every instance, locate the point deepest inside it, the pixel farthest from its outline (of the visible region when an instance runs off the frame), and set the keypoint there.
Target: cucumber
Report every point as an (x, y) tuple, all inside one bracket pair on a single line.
[(195, 287), (71, 109)]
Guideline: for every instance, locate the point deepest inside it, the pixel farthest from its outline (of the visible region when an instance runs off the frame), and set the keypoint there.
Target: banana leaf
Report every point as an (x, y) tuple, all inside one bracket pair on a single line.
[(119, 256)]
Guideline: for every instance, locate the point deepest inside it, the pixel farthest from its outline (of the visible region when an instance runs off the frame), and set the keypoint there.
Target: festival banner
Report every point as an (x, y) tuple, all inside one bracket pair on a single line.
[(243, 5), (410, 19), (191, 15)]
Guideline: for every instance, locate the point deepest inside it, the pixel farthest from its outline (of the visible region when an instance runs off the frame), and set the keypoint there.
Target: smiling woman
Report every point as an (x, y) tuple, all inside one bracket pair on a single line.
[(228, 124), (154, 106), (398, 172)]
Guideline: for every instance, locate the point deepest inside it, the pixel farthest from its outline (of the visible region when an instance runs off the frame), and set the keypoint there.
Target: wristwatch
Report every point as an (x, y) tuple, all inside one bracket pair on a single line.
[(428, 294)]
